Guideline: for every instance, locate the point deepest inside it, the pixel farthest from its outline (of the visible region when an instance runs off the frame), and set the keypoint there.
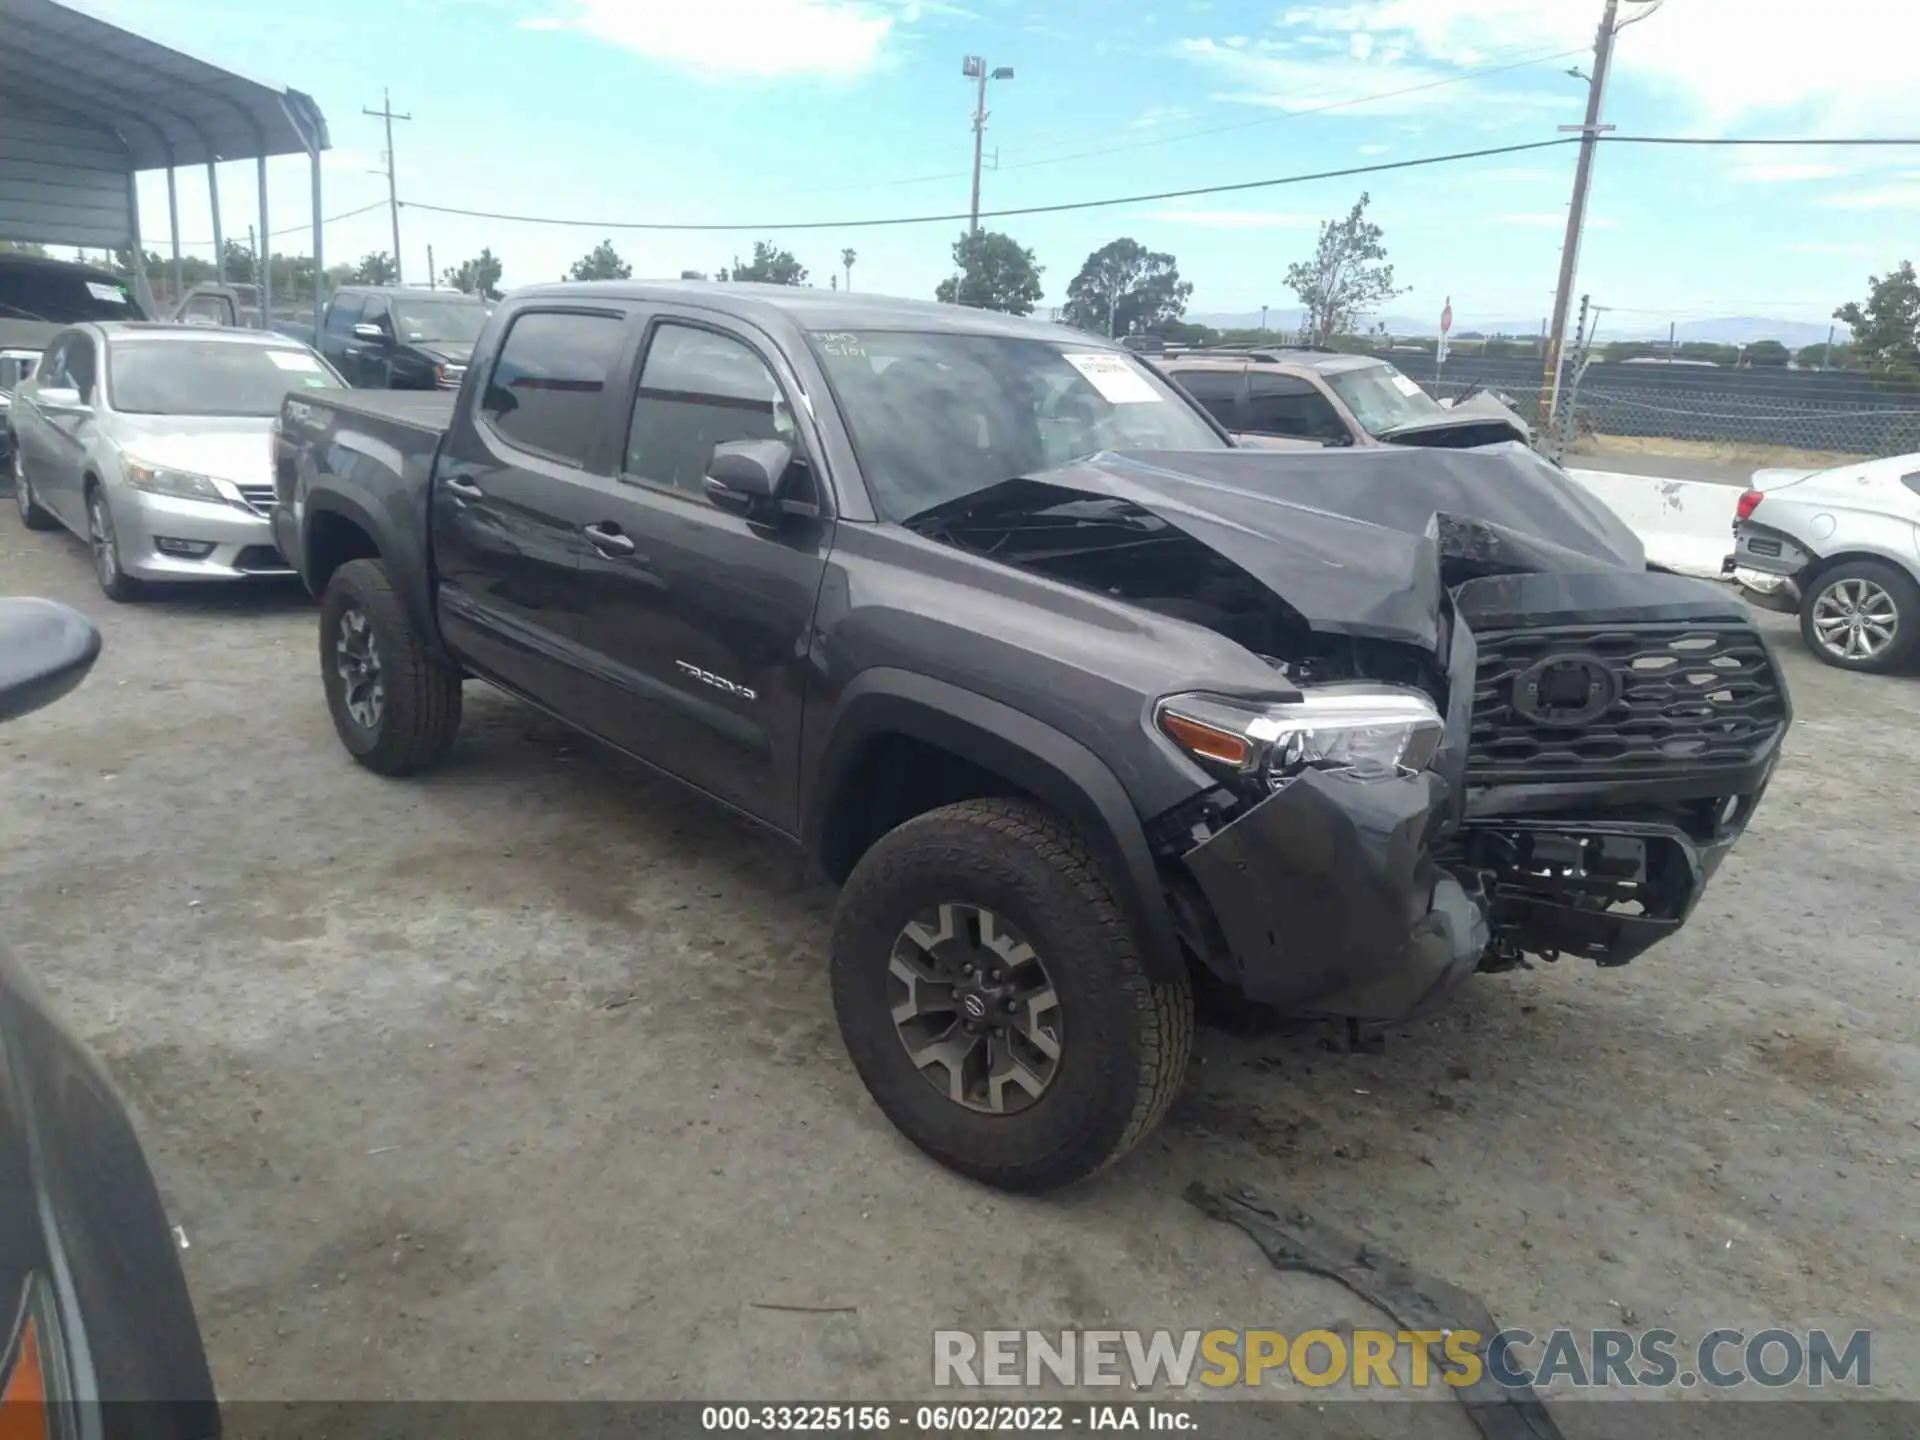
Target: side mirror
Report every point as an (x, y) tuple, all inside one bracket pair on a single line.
[(744, 474), (60, 397), (45, 650), (365, 331)]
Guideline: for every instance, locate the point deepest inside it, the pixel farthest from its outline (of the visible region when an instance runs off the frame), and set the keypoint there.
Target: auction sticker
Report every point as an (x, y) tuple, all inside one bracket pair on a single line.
[(1117, 381), (108, 294), (293, 360), (1405, 386)]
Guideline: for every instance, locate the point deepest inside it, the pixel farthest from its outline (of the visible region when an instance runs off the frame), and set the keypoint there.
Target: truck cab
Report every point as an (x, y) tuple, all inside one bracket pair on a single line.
[(392, 337)]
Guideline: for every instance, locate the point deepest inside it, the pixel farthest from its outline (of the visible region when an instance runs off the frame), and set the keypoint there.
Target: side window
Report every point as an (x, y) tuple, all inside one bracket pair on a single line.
[(1218, 392), (80, 368), (1287, 405), (377, 313), (52, 370), (344, 313), (548, 387), (699, 389)]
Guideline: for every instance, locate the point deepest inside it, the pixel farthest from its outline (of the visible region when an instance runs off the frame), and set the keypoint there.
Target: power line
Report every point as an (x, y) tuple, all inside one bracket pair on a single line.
[(306, 228), (1347, 103), (1753, 140), (868, 224)]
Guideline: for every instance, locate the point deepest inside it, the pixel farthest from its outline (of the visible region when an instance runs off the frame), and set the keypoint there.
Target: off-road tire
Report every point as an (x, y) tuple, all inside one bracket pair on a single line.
[(33, 514), (1125, 1038), (1897, 584), (420, 715)]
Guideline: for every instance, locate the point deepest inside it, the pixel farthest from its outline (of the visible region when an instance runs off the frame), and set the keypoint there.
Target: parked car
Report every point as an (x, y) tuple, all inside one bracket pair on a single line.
[(1305, 398), (98, 1336), (1067, 692), (39, 297), (151, 442), (236, 307), (396, 338), (1846, 544)]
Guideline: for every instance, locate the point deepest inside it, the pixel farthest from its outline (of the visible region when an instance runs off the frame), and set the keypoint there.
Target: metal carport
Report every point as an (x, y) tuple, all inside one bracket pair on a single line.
[(85, 106)]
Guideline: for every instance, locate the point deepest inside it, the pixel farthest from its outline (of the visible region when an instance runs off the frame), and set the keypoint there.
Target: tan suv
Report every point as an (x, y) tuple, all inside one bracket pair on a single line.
[(1291, 398)]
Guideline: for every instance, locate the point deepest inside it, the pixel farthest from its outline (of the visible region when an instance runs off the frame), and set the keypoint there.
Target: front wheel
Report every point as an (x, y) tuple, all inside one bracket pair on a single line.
[(395, 706), (990, 991), (1862, 615), (104, 541)]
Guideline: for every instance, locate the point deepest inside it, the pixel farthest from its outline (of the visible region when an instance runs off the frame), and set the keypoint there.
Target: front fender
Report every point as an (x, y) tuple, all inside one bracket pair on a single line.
[(1047, 764)]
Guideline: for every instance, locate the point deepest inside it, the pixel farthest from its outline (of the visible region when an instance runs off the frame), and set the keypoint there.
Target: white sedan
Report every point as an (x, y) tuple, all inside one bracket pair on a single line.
[(1845, 543)]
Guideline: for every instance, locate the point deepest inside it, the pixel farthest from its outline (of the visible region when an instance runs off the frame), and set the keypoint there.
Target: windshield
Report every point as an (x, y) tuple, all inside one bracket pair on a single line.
[(209, 377), (935, 416), (1383, 399), (63, 297), (419, 321)]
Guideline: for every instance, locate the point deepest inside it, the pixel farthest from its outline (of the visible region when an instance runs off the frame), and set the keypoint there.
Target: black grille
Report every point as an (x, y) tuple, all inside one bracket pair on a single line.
[(1688, 696), (259, 498), (261, 560)]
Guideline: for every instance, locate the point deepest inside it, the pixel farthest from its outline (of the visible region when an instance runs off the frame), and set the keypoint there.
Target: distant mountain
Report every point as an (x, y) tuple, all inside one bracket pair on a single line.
[(1735, 330)]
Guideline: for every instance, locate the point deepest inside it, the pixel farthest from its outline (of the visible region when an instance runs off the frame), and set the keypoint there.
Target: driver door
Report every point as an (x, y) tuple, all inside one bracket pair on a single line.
[(375, 357)]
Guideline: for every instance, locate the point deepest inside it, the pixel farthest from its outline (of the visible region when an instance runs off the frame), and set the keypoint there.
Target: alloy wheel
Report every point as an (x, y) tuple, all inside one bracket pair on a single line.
[(357, 658), (975, 1008), (22, 491), (100, 539), (1855, 619)]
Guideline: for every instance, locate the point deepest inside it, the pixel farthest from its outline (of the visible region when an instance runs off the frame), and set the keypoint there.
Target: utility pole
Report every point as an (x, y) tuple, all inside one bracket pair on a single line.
[(253, 253), (975, 68), (1263, 320), (392, 194), (432, 281)]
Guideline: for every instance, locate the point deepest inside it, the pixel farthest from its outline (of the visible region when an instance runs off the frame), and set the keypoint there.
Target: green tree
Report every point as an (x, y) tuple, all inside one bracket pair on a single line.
[(1709, 351), (240, 263), (992, 272), (23, 247), (1124, 287), (478, 276), (1347, 276), (1886, 327), (1823, 356), (603, 262), (375, 268), (770, 266), (1631, 350), (1764, 353)]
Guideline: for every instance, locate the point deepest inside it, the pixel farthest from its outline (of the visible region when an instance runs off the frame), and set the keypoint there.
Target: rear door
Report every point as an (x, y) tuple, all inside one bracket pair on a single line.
[(512, 494), (32, 433), (1221, 393), (1292, 408), (695, 621), (67, 431), (336, 340)]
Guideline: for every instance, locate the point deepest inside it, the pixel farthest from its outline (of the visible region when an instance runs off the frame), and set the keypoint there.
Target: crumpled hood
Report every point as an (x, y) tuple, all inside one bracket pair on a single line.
[(1362, 542)]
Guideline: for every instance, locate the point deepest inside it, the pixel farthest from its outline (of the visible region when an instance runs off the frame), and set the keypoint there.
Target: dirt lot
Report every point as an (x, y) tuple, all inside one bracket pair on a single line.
[(521, 1080)]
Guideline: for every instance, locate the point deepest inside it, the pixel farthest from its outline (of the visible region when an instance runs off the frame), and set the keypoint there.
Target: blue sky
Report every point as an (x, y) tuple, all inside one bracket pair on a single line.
[(780, 111)]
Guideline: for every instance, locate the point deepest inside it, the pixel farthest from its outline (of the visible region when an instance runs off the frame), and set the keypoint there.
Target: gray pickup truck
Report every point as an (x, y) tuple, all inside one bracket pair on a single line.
[(1079, 703)]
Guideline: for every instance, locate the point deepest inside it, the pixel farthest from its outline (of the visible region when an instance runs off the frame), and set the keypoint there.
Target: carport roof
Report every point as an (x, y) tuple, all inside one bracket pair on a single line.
[(165, 107)]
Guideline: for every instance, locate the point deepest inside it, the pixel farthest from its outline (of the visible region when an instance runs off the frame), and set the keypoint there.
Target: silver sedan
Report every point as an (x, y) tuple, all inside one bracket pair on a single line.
[(154, 443)]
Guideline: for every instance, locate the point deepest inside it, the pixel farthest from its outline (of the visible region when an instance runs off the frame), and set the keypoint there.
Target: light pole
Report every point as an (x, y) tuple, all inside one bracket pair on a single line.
[(1590, 129), (975, 69), (1263, 319)]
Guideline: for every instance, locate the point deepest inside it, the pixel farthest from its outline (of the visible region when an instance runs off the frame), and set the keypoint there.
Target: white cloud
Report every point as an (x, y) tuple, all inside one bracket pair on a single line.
[(1830, 247), (742, 38), (1236, 219), (1375, 149), (1360, 45), (1846, 67), (1270, 76), (1159, 115), (1904, 196)]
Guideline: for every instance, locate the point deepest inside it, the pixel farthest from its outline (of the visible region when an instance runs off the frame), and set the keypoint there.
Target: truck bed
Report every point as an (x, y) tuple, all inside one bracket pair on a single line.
[(424, 410)]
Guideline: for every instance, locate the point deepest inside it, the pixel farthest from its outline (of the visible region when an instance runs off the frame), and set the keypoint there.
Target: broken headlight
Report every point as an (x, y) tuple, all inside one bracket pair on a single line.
[(1374, 729)]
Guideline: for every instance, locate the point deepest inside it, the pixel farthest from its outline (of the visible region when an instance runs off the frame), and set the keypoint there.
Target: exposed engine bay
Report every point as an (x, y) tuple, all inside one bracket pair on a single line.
[(1608, 729)]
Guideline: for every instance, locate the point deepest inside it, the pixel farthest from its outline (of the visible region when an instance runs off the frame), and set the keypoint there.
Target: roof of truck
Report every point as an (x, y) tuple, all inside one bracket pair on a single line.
[(1326, 362), (812, 309)]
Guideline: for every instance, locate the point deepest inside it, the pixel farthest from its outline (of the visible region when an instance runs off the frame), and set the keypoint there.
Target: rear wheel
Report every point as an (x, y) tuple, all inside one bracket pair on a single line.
[(990, 991), (1862, 615), (395, 706), (32, 514)]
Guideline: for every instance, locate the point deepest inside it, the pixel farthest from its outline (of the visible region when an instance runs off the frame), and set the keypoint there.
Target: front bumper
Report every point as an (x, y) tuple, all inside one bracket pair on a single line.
[(241, 544), (1328, 900)]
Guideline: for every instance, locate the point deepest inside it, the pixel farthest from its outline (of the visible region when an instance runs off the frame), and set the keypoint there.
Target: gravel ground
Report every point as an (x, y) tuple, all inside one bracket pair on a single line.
[(521, 1080)]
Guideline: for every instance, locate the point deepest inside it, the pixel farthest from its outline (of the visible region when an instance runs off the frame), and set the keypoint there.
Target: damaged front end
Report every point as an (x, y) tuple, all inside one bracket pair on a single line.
[(1499, 735)]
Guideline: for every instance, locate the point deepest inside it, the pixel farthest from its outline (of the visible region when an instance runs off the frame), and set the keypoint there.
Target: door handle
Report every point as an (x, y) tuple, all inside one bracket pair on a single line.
[(609, 542), (464, 488)]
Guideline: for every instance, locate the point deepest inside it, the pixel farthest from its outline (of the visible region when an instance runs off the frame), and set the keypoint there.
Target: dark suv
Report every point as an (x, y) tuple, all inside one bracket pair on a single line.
[(1323, 397), (392, 337), (1072, 696)]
